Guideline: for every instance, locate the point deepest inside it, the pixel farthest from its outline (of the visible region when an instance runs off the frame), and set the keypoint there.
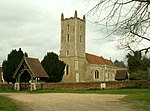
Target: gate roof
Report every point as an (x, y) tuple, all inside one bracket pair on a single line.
[(34, 65)]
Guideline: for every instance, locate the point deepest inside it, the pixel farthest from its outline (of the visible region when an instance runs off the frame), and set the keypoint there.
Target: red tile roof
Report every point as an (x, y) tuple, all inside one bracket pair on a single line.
[(109, 62), (93, 59)]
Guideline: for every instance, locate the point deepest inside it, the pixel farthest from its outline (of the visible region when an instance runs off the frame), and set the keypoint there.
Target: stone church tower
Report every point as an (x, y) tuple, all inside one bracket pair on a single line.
[(72, 50), (81, 66)]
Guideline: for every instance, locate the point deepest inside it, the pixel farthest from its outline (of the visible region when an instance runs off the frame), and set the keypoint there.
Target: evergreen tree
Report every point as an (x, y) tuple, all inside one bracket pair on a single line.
[(9, 66), (146, 63), (138, 66), (134, 61), (53, 66), (119, 63)]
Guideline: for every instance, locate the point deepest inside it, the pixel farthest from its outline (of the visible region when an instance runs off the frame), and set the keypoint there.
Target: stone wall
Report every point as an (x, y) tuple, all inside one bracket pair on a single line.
[(95, 85), (86, 86), (69, 86), (6, 86)]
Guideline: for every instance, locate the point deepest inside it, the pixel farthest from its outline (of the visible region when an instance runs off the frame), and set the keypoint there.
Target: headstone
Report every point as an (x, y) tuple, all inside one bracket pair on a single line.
[(103, 85)]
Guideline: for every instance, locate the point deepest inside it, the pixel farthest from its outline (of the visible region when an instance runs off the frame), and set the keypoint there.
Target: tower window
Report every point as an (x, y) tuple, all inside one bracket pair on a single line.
[(67, 69), (109, 76), (68, 38), (80, 38), (67, 53), (80, 27), (68, 27), (96, 74)]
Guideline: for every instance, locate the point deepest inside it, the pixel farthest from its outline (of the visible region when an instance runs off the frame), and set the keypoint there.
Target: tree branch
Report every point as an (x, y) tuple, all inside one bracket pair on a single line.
[(147, 1), (131, 24), (140, 36)]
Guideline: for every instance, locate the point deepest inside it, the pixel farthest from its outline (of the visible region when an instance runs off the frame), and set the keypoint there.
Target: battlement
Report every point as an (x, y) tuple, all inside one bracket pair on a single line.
[(75, 16)]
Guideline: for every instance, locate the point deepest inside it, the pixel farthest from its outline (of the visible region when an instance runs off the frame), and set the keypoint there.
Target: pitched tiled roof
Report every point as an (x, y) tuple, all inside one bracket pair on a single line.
[(34, 66), (93, 59), (109, 62), (121, 75)]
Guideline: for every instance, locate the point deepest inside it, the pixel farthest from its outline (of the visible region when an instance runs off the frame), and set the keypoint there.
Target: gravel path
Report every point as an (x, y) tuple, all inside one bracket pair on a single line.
[(69, 102)]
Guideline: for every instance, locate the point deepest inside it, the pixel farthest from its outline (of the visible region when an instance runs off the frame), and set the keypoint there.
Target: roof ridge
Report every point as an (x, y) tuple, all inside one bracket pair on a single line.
[(93, 55), (25, 59), (30, 57)]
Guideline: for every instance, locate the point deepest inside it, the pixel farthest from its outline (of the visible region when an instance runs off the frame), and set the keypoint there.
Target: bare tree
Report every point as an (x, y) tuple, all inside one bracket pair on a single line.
[(129, 19)]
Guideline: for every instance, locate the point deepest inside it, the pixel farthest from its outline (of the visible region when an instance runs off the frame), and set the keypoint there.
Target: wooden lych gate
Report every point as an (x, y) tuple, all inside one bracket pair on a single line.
[(28, 73), (24, 86)]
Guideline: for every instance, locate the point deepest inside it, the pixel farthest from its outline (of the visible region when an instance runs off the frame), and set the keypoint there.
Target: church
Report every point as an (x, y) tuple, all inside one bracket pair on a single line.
[(82, 66)]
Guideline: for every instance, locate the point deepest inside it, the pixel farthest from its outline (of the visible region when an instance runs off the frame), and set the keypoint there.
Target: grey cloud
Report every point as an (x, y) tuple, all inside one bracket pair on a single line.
[(34, 26)]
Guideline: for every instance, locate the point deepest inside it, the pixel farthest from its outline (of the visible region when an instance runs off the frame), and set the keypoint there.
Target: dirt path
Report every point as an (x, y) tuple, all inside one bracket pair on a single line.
[(70, 102)]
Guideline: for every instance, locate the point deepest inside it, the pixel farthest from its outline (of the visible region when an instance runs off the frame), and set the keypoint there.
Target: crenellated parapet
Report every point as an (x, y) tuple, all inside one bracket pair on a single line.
[(75, 16)]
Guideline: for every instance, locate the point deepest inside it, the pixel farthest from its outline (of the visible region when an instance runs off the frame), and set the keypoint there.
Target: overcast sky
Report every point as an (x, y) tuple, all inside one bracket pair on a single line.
[(34, 26)]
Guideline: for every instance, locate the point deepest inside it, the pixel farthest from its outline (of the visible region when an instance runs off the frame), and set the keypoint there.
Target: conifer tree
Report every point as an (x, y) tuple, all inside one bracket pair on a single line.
[(119, 63), (9, 66), (53, 66), (138, 66)]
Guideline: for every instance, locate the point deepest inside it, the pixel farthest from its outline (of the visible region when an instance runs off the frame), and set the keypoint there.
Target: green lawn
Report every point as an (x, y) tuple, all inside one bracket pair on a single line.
[(7, 104), (5, 91)]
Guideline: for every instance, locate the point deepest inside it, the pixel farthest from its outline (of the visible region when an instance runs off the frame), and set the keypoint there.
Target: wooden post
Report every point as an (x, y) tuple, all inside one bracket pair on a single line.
[(32, 86), (17, 86)]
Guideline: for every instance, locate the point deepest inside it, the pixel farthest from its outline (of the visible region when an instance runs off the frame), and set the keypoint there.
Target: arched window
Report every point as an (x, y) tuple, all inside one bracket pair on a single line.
[(68, 38), (68, 27), (67, 53), (108, 76), (96, 74), (80, 27), (80, 38), (67, 69)]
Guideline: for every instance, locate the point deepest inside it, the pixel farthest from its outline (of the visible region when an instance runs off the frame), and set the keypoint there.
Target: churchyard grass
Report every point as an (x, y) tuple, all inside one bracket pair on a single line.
[(7, 104), (7, 91)]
